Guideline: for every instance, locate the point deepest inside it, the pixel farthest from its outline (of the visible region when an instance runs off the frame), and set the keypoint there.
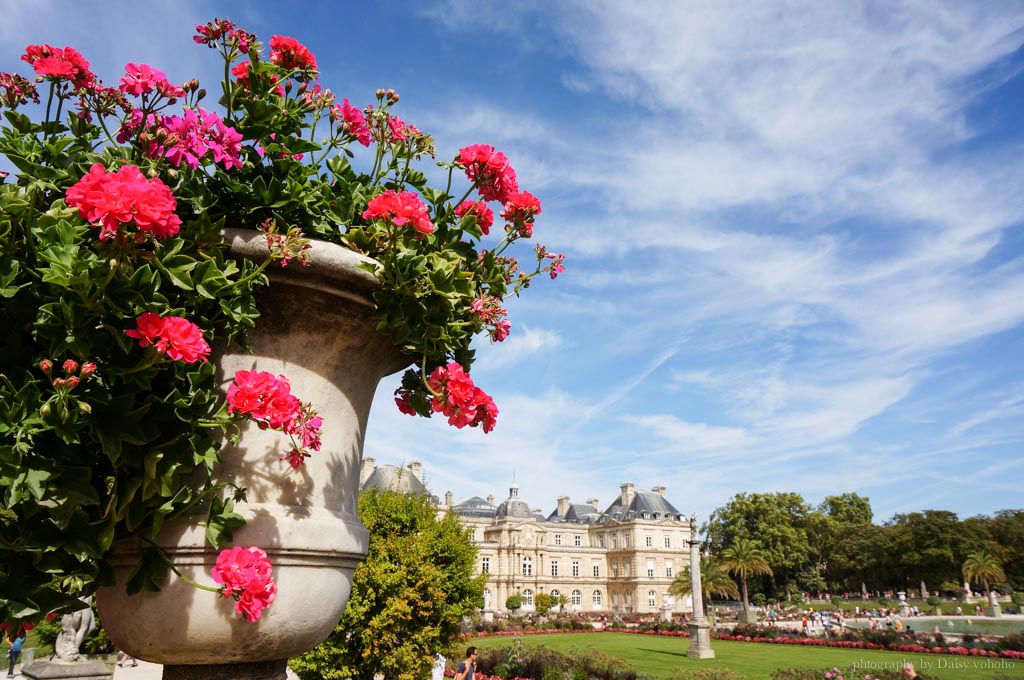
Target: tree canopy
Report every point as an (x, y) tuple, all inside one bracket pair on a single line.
[(836, 546), (714, 580), (743, 558)]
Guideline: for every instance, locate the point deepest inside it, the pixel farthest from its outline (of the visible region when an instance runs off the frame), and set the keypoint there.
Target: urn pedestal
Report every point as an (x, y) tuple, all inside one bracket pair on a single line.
[(316, 328)]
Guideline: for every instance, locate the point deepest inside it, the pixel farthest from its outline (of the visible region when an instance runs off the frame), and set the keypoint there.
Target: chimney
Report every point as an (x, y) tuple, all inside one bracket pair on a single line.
[(448, 499), (490, 499), (364, 473), (416, 468), (592, 501), (563, 506), (628, 491), (660, 490)]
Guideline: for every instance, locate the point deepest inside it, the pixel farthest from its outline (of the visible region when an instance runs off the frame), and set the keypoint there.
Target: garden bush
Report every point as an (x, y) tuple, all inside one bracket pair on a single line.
[(517, 661)]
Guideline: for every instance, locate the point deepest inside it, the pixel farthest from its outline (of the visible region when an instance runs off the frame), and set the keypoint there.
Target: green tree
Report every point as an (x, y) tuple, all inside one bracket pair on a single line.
[(777, 521), (744, 558), (408, 596), (834, 522), (1006, 528), (983, 567), (561, 600), (513, 602), (928, 546), (543, 602), (714, 580)]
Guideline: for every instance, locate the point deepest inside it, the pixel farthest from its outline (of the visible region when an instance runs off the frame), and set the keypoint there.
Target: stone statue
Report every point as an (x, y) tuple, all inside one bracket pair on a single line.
[(74, 628)]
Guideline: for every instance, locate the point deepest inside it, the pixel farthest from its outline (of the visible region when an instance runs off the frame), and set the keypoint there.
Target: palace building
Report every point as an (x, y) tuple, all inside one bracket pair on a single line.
[(619, 560)]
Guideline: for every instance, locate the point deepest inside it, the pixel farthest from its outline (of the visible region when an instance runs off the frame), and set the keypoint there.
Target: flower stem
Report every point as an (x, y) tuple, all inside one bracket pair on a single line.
[(173, 568)]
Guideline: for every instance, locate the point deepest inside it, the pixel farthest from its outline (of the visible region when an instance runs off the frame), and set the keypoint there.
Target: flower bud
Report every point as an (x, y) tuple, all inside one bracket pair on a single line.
[(84, 408), (73, 382), (201, 94), (380, 92), (46, 366), (70, 366), (88, 369), (44, 410), (62, 413), (59, 383)]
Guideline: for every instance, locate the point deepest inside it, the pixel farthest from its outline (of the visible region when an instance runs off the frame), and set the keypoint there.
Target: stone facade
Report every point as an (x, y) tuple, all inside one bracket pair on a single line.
[(620, 560)]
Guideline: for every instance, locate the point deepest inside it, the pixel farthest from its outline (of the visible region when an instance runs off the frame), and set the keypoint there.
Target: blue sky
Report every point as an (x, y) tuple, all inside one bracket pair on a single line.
[(793, 229)]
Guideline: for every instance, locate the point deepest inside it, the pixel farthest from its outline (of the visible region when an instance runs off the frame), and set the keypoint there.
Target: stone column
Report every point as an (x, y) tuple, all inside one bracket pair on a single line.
[(700, 630)]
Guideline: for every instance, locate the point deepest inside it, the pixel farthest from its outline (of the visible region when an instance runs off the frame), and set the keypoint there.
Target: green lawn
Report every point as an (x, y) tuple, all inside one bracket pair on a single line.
[(661, 657)]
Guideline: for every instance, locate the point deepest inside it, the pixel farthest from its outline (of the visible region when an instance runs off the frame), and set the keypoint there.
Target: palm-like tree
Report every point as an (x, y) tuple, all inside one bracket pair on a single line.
[(745, 558), (983, 566), (714, 580)]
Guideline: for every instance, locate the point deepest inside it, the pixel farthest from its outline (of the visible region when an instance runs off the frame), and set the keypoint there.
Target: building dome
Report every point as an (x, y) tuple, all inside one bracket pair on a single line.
[(514, 506)]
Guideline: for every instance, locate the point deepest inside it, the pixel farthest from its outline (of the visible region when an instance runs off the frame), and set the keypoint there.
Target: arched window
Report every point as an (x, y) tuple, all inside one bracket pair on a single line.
[(597, 598), (528, 597), (652, 599), (527, 566), (555, 593), (577, 598)]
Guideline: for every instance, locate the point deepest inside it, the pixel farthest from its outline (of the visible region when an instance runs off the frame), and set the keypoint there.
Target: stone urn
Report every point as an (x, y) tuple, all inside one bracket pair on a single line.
[(316, 327)]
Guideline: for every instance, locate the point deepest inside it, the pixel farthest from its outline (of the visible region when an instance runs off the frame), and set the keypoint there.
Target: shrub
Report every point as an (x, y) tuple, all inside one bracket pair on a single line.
[(850, 672), (708, 674), (934, 601), (513, 602), (884, 601), (1011, 641), (545, 664), (837, 600), (759, 599)]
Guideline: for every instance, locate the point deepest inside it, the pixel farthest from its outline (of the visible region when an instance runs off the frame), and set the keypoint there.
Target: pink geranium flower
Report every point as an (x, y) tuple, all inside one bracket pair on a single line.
[(489, 170), (458, 398), (354, 122), (248, 576), (289, 53), (178, 338), (478, 209), (400, 208), (111, 199), (140, 79), (519, 211), (267, 399), (61, 64), (263, 397)]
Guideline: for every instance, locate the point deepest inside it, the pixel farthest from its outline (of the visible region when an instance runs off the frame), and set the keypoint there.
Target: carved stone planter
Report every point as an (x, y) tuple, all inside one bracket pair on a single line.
[(316, 328)]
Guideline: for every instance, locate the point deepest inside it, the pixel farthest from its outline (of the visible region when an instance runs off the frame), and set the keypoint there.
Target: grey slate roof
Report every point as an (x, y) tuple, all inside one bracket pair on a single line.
[(644, 505), (578, 513), (392, 477), (474, 506)]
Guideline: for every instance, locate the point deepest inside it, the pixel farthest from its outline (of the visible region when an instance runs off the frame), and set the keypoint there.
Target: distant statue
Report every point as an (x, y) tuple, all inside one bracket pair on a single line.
[(74, 628)]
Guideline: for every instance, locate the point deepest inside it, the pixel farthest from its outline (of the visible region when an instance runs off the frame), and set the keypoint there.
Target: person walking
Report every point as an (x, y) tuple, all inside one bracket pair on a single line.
[(14, 652), (467, 668)]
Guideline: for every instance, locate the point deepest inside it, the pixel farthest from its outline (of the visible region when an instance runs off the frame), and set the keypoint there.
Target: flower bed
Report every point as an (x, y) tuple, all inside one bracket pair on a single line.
[(801, 641)]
